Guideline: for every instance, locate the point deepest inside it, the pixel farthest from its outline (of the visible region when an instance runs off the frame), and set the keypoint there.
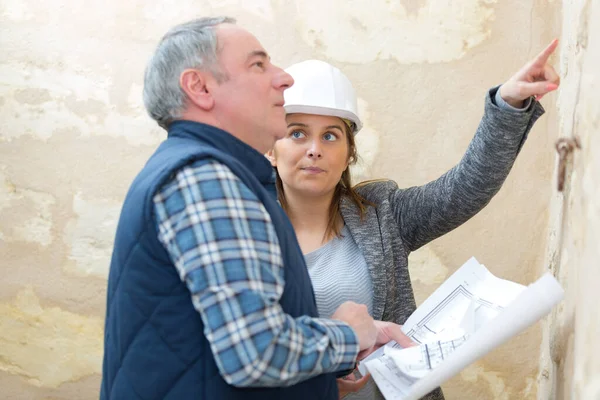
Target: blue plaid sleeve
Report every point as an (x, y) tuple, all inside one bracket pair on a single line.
[(224, 246)]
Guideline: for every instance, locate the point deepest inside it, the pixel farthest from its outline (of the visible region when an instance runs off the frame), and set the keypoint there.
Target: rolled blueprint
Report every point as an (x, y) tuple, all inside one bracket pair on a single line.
[(532, 304)]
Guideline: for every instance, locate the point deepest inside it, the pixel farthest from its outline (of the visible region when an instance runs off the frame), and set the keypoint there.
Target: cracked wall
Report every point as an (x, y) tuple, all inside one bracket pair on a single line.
[(73, 134), (570, 359)]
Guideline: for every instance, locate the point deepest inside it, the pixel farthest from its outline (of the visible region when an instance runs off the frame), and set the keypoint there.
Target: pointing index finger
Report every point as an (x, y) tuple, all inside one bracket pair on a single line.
[(546, 53)]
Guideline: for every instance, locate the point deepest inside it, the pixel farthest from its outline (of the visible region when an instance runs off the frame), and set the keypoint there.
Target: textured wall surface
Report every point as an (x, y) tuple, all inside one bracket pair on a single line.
[(570, 361), (73, 133)]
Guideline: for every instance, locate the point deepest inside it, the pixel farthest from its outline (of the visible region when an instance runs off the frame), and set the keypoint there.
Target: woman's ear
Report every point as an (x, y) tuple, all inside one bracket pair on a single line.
[(271, 157), (349, 161)]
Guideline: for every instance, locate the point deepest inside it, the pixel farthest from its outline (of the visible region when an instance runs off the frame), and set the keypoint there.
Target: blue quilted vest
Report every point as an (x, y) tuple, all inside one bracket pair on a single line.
[(154, 345)]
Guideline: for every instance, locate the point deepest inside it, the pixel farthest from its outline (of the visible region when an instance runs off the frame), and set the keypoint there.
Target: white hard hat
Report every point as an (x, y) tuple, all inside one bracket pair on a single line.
[(322, 89)]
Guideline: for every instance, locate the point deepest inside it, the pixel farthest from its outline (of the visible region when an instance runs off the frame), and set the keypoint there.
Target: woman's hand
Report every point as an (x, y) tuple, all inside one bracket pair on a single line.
[(351, 384), (536, 78)]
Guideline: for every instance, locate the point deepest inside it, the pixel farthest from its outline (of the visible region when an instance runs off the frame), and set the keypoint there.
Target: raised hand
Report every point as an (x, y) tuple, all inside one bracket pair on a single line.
[(536, 79)]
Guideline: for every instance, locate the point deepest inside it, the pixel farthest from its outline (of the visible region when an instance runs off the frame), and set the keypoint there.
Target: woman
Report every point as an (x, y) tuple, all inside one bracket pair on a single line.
[(356, 240)]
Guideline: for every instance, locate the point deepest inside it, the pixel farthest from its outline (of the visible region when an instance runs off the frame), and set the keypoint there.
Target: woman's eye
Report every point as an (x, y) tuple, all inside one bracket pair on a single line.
[(297, 134), (330, 137)]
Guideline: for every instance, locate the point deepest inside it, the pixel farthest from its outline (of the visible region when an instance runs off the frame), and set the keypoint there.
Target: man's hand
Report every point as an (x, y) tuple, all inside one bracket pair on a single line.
[(351, 384), (386, 332), (357, 316), (536, 78)]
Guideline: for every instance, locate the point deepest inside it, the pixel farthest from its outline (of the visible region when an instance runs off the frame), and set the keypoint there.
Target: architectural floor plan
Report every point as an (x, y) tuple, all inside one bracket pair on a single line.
[(467, 316)]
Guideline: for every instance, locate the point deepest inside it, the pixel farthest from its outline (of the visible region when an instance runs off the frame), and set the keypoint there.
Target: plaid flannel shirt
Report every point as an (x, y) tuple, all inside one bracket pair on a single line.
[(221, 240)]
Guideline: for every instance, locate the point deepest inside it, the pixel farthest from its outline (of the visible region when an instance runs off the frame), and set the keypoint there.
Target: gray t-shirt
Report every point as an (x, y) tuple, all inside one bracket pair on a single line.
[(339, 273)]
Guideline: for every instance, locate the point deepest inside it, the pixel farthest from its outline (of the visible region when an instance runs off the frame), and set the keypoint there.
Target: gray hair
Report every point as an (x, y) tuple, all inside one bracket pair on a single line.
[(189, 45)]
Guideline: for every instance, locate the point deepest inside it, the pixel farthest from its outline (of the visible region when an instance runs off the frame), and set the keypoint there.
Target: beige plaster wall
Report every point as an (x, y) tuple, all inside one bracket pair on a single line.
[(570, 359), (73, 133)]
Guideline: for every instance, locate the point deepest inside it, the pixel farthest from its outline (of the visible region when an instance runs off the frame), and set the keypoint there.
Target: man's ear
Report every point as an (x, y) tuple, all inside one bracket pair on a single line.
[(271, 157), (194, 84)]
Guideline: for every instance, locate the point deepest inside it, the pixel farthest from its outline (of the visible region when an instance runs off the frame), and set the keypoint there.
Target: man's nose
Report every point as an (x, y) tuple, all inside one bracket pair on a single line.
[(282, 80)]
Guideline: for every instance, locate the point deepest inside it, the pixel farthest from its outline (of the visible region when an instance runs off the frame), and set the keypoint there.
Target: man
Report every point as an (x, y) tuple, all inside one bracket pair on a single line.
[(208, 294)]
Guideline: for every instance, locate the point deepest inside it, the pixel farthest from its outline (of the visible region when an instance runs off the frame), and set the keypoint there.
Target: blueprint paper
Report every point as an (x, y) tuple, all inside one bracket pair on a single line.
[(468, 298), (469, 315)]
